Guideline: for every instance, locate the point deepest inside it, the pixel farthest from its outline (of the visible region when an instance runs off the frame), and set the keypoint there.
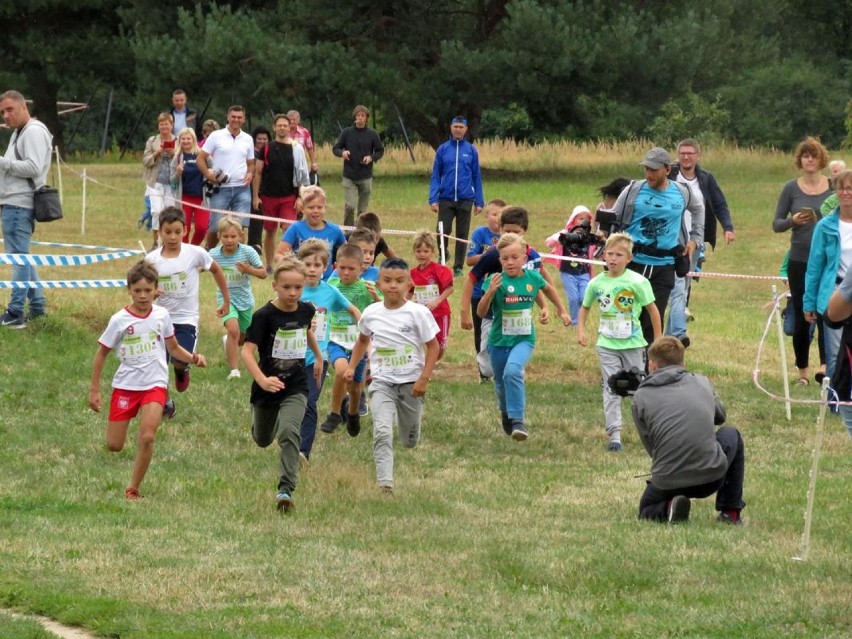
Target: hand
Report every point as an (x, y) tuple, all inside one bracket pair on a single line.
[(318, 373), (95, 400), (256, 203), (371, 289), (223, 310), (179, 169), (297, 205), (544, 317), (419, 388), (367, 159), (477, 210), (496, 280), (345, 155), (242, 267), (729, 237), (810, 317), (314, 167), (432, 305), (582, 339), (348, 374), (691, 247), (565, 316), (805, 216), (271, 384), (434, 207), (199, 360), (248, 178), (466, 321)]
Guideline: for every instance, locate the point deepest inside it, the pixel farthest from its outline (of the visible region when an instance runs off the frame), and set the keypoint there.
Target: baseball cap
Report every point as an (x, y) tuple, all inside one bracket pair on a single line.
[(460, 119), (656, 158)]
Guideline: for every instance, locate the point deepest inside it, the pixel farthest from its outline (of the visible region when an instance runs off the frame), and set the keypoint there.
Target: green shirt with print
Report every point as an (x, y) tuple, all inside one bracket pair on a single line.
[(343, 329), (512, 306), (620, 301)]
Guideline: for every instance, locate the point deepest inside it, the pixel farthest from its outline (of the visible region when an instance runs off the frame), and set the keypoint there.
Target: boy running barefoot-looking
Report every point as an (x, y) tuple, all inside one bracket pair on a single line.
[(140, 333), (402, 340)]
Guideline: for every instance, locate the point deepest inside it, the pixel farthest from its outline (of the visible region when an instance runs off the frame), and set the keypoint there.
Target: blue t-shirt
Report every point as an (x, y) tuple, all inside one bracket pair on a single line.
[(331, 233), (191, 179), (482, 240), (239, 284), (325, 299), (657, 218)]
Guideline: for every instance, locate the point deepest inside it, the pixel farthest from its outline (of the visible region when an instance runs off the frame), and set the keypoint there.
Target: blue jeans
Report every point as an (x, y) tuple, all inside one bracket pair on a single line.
[(18, 227), (508, 364), (575, 288), (308, 429), (676, 322), (230, 198)]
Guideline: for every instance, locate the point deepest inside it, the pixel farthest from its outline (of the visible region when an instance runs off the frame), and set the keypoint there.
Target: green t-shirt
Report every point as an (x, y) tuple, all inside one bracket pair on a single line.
[(620, 300), (343, 329), (512, 308)]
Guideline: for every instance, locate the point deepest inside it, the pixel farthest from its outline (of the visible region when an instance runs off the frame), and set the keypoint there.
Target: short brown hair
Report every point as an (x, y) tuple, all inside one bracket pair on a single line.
[(424, 237), (230, 222), (310, 193), (165, 116), (171, 214), (350, 251), (142, 270), (363, 235), (813, 147), (289, 263), (360, 109), (666, 351), (844, 178), (315, 246), (507, 239), (370, 220)]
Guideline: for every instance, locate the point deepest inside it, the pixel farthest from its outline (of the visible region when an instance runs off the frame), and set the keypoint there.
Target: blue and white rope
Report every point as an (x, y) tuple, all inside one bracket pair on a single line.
[(89, 247), (26, 259), (65, 284)]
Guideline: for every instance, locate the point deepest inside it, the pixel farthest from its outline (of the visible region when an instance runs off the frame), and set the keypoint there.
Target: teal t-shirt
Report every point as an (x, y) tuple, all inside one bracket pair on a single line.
[(620, 301), (512, 307), (239, 284), (657, 218)]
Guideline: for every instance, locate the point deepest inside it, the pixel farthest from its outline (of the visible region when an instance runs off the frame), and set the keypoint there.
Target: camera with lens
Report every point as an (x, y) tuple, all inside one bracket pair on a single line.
[(212, 187), (625, 383), (579, 239)]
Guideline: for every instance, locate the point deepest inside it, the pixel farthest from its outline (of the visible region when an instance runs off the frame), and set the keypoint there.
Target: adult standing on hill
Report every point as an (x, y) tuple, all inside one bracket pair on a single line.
[(456, 187), (798, 210), (360, 147), (23, 169), (184, 116)]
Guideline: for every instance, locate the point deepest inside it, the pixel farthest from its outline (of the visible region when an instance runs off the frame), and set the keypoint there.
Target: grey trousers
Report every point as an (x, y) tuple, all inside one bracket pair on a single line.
[(391, 403), (613, 361), (356, 195), (281, 422)]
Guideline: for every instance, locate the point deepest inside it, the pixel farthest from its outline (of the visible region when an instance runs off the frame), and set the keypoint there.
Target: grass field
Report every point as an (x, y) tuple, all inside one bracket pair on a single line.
[(484, 537)]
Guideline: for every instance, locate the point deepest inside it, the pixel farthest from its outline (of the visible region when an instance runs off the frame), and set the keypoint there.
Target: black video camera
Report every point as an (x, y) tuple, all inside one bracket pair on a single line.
[(579, 239), (212, 187), (625, 383)]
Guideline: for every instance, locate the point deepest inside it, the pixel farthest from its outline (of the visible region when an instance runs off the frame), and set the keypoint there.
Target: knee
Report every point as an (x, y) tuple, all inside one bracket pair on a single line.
[(146, 439), (115, 447), (513, 372)]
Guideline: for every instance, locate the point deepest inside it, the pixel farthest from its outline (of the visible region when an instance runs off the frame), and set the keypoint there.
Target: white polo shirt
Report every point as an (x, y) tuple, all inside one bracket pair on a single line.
[(230, 154)]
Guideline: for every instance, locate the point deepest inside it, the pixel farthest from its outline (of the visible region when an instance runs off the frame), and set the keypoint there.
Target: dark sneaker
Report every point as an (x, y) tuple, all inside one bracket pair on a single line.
[(678, 510), (169, 409), (34, 315), (458, 271), (283, 502), (363, 407), (615, 447), (132, 494), (353, 424), (507, 424), (331, 423), (730, 517), (386, 490), (484, 379), (685, 341), (519, 430), (12, 321), (181, 380)]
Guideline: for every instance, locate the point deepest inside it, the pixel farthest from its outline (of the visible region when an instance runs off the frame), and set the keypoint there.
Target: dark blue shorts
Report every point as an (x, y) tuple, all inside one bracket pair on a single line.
[(336, 351), (186, 336)]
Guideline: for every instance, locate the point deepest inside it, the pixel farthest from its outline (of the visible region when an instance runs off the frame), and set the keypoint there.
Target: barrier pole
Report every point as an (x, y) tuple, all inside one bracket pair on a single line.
[(782, 348), (58, 175), (83, 213)]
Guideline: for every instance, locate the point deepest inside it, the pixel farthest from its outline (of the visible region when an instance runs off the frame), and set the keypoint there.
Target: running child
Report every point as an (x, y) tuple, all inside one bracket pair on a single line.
[(343, 332), (511, 295), (178, 265), (484, 238), (312, 225), (403, 345), (372, 222), (432, 285), (274, 354), (141, 334), (326, 300), (238, 262), (365, 239), (621, 295)]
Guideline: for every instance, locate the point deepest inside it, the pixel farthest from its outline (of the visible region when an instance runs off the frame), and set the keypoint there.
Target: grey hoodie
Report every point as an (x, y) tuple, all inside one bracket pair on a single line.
[(34, 148), (675, 413)]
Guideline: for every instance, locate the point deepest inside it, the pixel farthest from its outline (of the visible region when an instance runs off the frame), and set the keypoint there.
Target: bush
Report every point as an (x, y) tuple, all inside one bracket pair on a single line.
[(690, 116)]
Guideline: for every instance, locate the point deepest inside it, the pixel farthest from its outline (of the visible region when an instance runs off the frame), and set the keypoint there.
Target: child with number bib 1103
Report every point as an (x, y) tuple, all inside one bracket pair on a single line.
[(432, 284), (510, 295), (621, 295), (280, 334)]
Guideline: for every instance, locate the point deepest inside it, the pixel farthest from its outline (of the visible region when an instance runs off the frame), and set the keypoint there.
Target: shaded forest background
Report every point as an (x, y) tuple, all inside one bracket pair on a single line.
[(757, 73)]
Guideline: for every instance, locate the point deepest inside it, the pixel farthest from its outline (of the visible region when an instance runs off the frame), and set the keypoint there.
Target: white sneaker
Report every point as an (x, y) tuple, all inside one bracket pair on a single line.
[(225, 344), (234, 374)]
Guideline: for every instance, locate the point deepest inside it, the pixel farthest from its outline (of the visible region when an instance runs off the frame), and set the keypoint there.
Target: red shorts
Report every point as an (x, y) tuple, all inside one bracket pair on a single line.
[(284, 208), (443, 331), (125, 404)]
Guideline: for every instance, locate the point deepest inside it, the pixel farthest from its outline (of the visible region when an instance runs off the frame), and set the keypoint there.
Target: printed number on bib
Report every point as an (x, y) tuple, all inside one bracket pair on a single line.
[(291, 344), (426, 293), (234, 278), (517, 322), (396, 361), (345, 336), (139, 349), (618, 326), (175, 285)]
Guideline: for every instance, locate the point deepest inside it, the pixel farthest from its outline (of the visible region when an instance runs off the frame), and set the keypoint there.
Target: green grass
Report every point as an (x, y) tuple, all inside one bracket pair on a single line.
[(483, 537)]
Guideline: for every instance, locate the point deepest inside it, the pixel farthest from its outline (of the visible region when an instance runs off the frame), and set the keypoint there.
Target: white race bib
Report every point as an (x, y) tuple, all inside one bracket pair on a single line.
[(396, 361), (290, 344), (138, 349), (320, 325), (346, 336), (426, 293), (518, 322), (175, 285), (617, 326), (234, 278)]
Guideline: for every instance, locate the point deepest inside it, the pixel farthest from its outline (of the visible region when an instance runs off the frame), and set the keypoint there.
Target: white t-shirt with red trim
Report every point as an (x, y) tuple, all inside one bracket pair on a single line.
[(140, 345)]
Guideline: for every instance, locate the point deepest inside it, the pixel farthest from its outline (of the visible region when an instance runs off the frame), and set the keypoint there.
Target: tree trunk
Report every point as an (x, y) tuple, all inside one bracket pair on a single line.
[(44, 95)]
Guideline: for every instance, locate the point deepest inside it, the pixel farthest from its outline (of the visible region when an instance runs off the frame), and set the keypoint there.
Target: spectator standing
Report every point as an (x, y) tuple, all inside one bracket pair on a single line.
[(360, 147), (159, 151), (183, 115), (302, 135)]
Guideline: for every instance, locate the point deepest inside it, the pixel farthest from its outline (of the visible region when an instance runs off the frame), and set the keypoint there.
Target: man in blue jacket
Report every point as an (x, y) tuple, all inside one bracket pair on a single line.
[(456, 187)]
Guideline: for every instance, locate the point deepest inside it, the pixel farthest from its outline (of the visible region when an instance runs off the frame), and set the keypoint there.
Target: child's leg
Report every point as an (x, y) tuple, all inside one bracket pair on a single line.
[(443, 334), (477, 324), (116, 435), (290, 414), (308, 429), (383, 405), (409, 415), (513, 379), (483, 359), (186, 336), (338, 387), (150, 416), (232, 341), (570, 289), (263, 422), (499, 355), (611, 363)]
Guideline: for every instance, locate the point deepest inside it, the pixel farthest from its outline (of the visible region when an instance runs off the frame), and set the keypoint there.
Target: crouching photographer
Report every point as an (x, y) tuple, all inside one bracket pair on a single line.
[(675, 413)]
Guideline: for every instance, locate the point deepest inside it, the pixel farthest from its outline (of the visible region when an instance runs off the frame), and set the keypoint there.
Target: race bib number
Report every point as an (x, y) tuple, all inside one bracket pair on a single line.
[(234, 278), (618, 326), (346, 336), (396, 361), (426, 293), (175, 285), (517, 322), (290, 344), (137, 350)]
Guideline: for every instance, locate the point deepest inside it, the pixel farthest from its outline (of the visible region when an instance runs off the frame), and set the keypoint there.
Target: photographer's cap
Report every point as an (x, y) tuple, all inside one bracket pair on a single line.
[(656, 158)]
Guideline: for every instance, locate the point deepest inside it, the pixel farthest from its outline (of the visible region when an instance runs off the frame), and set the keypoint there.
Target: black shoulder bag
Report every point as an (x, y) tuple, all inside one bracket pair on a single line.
[(46, 205)]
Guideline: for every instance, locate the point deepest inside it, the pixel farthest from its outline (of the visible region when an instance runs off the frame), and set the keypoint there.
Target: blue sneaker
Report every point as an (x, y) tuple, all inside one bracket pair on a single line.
[(363, 407), (13, 321), (283, 501)]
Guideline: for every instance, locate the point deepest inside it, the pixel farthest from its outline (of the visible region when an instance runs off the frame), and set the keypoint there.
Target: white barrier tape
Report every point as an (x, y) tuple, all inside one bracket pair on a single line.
[(26, 259), (65, 284), (736, 276), (82, 246)]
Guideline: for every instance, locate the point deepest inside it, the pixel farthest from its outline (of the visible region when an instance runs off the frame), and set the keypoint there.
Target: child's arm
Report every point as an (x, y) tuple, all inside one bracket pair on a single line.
[(354, 312), (222, 283), (582, 338), (358, 352), (466, 295), (371, 289), (553, 296), (257, 271), (314, 346), (485, 302), (544, 316), (269, 384), (656, 324), (443, 296), (97, 369), (179, 353), (432, 351)]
